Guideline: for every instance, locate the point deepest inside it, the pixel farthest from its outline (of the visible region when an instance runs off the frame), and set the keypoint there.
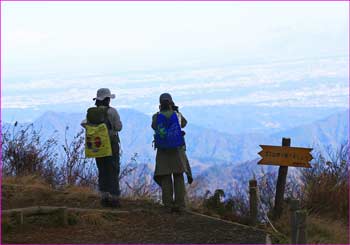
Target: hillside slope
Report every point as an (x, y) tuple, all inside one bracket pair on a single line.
[(145, 221)]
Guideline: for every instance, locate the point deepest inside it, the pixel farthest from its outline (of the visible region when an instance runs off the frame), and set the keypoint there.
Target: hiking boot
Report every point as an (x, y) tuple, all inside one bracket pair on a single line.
[(178, 210), (104, 202), (189, 179), (166, 209), (114, 202), (105, 199)]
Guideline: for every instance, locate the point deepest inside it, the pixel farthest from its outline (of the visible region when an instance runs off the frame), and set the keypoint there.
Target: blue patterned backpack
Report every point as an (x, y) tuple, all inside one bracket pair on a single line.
[(168, 133)]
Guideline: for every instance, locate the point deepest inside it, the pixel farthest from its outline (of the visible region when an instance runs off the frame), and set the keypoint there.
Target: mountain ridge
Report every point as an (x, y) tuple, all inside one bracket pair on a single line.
[(205, 147)]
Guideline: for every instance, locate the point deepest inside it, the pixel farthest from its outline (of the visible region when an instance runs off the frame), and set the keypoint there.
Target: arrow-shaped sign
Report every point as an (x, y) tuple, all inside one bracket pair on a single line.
[(285, 156)]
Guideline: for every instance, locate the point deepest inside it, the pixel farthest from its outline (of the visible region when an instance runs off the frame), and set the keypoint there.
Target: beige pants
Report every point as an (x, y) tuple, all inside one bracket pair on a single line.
[(170, 187)]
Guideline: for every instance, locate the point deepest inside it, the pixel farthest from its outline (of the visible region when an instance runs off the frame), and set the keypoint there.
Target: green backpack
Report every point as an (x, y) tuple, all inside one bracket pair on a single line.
[(98, 115)]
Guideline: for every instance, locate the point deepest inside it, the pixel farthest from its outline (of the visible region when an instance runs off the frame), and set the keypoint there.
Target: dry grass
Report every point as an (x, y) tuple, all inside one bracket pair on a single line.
[(24, 191), (31, 190), (326, 185), (80, 194), (32, 181), (96, 218), (79, 189), (18, 192), (145, 223), (320, 230), (329, 196)]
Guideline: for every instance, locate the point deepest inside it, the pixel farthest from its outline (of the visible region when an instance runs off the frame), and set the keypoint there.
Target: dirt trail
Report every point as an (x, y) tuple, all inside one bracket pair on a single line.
[(145, 223)]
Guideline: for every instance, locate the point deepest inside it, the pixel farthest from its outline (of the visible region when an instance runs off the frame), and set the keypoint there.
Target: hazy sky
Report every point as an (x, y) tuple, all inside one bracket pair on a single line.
[(215, 52), (118, 36)]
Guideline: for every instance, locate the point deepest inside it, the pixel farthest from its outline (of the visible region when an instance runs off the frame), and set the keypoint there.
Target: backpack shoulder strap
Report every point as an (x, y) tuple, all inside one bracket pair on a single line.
[(106, 120), (179, 117)]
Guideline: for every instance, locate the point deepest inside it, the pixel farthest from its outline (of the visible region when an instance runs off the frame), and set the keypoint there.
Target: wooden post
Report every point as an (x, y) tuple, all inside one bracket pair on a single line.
[(18, 216), (62, 216), (301, 226), (281, 184), (294, 206), (253, 202)]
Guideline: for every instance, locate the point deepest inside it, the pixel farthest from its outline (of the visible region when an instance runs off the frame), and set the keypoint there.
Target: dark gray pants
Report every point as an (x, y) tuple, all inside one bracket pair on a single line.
[(108, 174)]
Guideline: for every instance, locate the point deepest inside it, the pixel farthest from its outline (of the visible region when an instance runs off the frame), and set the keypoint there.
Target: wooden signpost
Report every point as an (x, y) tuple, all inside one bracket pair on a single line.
[(284, 156)]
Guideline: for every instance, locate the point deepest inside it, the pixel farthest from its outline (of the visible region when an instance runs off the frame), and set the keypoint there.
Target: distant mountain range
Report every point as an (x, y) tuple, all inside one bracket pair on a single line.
[(219, 159), (206, 147), (231, 177), (246, 119)]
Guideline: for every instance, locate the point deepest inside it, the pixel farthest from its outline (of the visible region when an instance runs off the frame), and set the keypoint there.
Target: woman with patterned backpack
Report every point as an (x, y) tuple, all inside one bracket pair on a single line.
[(109, 164)]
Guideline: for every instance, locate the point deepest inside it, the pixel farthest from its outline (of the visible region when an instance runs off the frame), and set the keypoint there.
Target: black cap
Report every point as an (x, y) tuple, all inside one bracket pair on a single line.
[(165, 97)]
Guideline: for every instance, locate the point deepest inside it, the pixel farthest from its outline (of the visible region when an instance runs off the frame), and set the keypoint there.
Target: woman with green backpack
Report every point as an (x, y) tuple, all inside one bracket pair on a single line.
[(170, 161)]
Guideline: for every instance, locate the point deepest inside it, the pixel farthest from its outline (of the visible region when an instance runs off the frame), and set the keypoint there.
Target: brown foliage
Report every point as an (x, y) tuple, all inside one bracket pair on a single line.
[(25, 153), (233, 207), (137, 183), (326, 184), (76, 169)]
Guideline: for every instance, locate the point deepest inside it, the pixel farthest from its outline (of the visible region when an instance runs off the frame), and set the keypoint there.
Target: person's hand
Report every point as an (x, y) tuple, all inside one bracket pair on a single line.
[(189, 179)]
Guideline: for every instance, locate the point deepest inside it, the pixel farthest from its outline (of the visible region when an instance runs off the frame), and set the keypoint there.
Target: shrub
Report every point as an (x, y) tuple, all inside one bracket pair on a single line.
[(234, 207), (24, 152), (326, 184), (75, 168), (215, 202), (136, 181)]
